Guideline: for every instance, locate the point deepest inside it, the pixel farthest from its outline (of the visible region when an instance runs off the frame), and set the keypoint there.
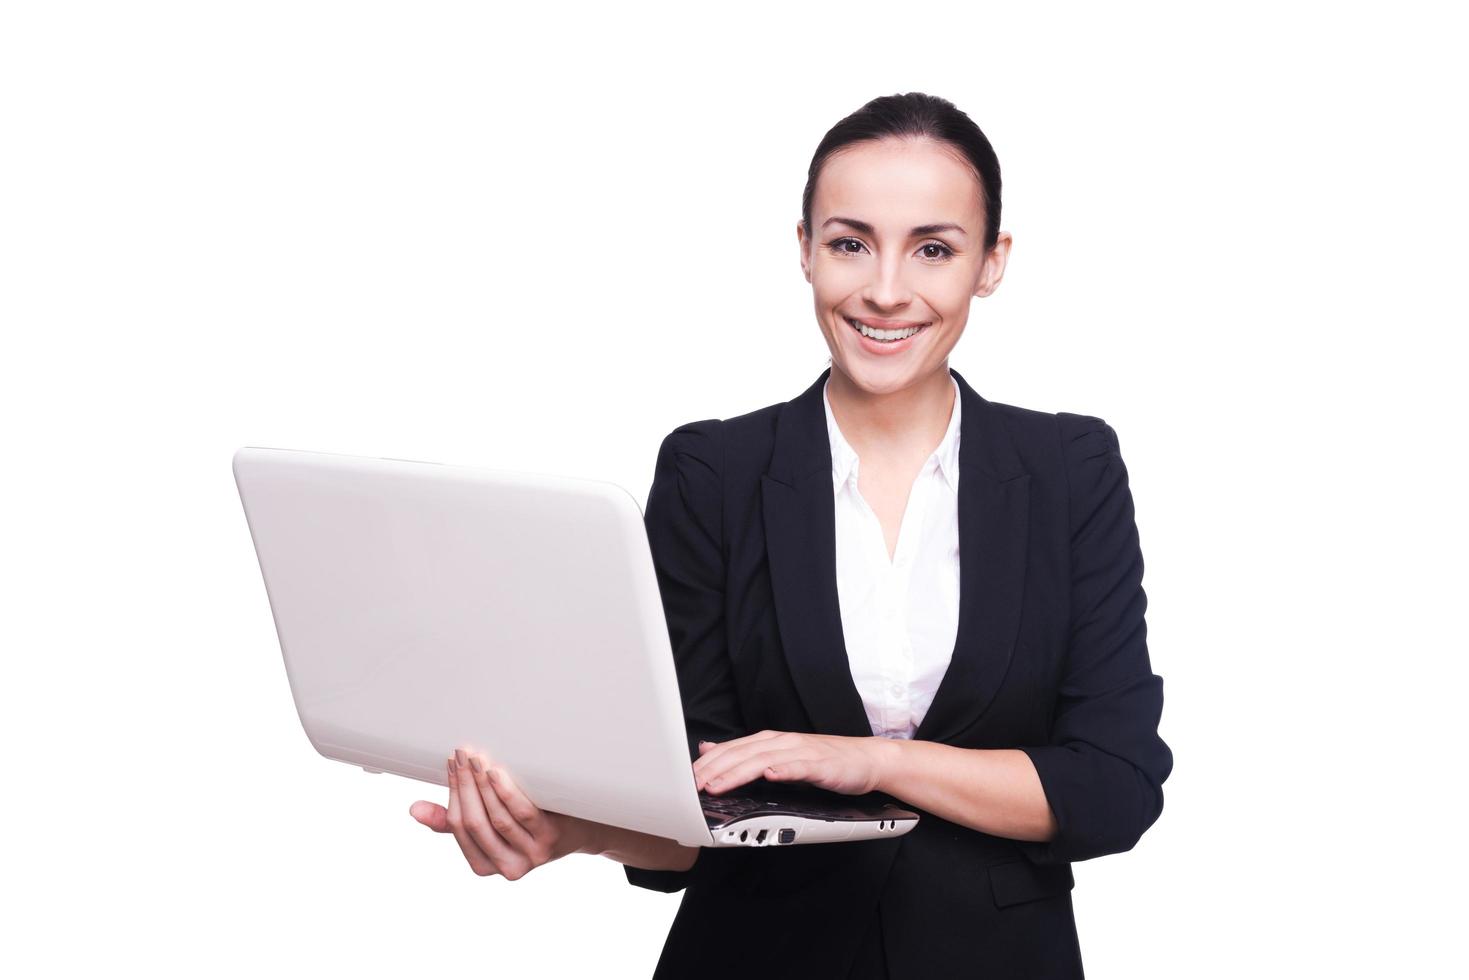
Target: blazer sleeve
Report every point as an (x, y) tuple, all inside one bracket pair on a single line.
[(1104, 766), (684, 520)]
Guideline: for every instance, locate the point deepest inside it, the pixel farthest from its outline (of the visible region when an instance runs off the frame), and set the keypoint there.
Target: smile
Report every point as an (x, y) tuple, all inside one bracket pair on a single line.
[(883, 336)]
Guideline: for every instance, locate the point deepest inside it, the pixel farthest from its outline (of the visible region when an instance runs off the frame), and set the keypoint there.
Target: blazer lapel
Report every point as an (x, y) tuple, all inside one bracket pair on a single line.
[(994, 525), (800, 531), (800, 543)]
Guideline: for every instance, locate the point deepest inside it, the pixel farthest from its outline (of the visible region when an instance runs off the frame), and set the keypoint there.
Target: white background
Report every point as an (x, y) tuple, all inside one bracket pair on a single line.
[(542, 240)]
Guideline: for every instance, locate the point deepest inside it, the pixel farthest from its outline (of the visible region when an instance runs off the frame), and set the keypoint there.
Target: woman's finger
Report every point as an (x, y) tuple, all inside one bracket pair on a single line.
[(759, 736), (716, 754), (725, 778), (727, 755), (795, 771), (478, 860), (509, 861), (520, 807), (431, 815), (501, 819)]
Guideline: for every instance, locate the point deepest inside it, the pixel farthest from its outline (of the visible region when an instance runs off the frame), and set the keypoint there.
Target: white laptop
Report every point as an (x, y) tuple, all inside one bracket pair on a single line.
[(421, 607)]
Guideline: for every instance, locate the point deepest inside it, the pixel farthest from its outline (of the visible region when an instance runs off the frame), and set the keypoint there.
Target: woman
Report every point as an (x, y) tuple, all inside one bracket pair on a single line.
[(954, 621)]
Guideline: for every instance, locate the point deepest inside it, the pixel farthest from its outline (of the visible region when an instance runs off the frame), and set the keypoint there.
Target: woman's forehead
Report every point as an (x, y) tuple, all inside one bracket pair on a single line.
[(896, 203), (894, 185)]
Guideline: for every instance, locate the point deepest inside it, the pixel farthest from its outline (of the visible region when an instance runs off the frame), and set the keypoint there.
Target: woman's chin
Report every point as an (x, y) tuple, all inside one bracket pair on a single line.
[(880, 379)]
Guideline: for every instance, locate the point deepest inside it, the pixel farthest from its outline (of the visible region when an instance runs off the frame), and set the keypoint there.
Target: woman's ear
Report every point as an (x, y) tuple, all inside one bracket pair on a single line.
[(805, 250), (992, 270)]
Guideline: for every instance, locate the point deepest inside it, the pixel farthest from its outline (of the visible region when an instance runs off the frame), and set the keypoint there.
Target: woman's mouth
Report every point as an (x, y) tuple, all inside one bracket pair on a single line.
[(880, 341)]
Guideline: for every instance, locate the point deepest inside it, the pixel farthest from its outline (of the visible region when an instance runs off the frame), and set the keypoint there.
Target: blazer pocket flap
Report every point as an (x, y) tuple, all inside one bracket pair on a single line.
[(1020, 881)]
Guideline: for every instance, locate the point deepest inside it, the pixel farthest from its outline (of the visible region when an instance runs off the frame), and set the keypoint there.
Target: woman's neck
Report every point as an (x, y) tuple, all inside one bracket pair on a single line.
[(896, 425)]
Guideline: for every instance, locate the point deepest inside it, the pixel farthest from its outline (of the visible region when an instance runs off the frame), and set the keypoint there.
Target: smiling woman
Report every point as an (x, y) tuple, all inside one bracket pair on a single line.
[(908, 205), (933, 597)]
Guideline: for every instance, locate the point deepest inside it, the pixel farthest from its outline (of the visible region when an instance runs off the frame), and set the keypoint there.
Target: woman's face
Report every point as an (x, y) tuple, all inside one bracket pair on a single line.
[(898, 243)]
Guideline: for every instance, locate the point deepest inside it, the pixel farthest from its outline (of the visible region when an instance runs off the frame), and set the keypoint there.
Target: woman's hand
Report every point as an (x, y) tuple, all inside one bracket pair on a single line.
[(498, 828), (838, 763)]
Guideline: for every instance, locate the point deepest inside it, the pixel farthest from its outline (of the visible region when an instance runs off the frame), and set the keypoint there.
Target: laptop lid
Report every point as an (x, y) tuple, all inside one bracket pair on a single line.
[(421, 606)]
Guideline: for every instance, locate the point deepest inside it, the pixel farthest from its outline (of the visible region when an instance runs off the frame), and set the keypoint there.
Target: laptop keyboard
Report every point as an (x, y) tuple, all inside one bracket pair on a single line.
[(731, 807)]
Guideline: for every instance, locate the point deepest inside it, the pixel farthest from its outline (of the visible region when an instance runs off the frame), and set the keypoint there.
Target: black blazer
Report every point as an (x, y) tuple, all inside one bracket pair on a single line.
[(1051, 658)]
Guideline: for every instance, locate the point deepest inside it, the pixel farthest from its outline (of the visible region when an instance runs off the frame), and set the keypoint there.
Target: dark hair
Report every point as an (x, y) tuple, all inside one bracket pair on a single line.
[(914, 114)]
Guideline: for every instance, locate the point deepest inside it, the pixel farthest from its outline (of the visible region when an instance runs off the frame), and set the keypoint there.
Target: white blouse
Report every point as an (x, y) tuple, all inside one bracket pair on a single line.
[(900, 616)]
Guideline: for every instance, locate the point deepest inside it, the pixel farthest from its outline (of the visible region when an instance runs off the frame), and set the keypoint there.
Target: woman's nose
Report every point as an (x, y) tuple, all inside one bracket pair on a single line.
[(888, 289)]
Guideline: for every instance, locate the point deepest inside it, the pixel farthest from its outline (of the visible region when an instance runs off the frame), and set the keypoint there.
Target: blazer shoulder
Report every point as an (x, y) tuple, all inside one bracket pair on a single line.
[(702, 440), (1079, 436), (1026, 423), (756, 426), (1086, 437), (1033, 432), (749, 441), (723, 453)]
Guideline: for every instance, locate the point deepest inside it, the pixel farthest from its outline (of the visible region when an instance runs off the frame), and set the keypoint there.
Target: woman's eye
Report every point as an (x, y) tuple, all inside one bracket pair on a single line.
[(837, 246), (840, 247)]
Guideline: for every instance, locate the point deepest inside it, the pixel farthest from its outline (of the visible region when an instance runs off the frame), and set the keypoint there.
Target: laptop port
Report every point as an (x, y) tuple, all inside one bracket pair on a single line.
[(760, 837), (786, 836)]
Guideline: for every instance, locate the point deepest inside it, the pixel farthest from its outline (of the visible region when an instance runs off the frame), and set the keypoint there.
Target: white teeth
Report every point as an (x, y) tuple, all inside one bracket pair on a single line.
[(882, 334)]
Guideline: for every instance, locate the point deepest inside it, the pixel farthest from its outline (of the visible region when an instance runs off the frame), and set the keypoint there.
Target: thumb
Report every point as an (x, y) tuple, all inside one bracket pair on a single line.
[(431, 815)]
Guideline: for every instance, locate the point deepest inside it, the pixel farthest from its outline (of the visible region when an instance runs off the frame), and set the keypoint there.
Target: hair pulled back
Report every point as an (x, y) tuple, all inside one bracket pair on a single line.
[(914, 115)]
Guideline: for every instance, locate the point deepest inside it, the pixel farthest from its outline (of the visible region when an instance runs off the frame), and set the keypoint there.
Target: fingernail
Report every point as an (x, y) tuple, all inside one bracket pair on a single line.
[(474, 764), (453, 769), (494, 775), (459, 756)]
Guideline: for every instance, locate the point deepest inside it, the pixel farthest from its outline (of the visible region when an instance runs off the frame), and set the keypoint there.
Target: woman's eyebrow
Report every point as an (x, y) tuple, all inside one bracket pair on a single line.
[(867, 229)]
